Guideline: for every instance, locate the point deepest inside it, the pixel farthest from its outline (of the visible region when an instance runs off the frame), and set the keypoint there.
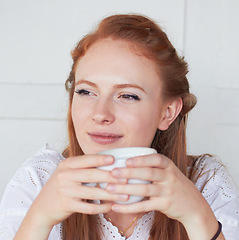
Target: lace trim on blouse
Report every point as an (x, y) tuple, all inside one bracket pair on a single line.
[(141, 230)]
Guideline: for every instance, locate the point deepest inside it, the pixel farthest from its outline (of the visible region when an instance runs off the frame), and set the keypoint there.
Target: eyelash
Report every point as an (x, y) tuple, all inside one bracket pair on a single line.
[(82, 92), (124, 96), (130, 96)]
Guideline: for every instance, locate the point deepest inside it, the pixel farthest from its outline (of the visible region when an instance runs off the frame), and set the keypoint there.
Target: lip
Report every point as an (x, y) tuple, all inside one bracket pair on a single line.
[(104, 137)]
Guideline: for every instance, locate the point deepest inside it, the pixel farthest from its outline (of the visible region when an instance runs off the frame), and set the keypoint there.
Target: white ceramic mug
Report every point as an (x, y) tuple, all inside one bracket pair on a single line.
[(121, 155)]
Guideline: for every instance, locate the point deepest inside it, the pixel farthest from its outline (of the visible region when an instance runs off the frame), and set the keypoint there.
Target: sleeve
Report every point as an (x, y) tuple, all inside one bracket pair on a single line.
[(221, 193), (22, 190)]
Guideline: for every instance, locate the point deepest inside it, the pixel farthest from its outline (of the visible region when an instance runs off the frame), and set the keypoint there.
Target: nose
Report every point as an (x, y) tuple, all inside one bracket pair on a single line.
[(103, 112)]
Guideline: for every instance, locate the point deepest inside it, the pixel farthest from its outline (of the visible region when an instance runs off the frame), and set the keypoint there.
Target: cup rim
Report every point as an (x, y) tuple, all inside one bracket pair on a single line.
[(128, 151)]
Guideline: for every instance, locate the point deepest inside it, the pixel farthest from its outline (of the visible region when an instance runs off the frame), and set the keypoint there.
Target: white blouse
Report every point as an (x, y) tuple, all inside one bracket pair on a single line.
[(212, 180)]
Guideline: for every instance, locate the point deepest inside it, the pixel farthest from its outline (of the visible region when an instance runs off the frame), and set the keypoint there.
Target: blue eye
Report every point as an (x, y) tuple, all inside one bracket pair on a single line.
[(130, 97), (82, 92)]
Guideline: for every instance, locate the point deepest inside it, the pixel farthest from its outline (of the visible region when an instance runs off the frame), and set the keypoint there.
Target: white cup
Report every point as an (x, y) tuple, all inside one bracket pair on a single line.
[(121, 155)]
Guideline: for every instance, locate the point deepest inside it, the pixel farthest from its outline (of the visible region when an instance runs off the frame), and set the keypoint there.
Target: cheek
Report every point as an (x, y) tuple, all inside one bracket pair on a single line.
[(74, 114), (77, 113), (142, 124)]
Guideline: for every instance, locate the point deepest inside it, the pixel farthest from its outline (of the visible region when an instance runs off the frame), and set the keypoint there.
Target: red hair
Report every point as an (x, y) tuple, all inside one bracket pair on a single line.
[(145, 38)]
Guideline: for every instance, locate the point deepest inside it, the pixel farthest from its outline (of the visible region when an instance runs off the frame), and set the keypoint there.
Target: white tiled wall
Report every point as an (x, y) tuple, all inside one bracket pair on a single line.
[(35, 44), (211, 48)]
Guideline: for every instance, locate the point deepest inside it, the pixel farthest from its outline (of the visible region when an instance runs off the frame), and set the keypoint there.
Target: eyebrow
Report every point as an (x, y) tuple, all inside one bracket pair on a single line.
[(86, 82), (128, 85), (117, 86)]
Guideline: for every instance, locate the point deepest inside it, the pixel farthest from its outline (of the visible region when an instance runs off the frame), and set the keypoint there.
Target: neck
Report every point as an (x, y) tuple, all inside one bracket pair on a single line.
[(124, 222)]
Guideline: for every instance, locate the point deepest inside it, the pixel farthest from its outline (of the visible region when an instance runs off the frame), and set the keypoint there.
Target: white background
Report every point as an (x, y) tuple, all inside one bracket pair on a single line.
[(36, 38)]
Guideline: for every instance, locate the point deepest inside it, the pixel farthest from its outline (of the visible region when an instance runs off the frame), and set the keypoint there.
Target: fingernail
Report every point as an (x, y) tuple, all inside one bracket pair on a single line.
[(123, 197), (116, 172), (122, 180), (130, 161), (108, 159), (115, 208), (110, 188)]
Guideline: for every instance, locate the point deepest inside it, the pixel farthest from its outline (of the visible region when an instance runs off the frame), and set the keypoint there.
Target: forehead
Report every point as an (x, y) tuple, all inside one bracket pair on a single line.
[(117, 59)]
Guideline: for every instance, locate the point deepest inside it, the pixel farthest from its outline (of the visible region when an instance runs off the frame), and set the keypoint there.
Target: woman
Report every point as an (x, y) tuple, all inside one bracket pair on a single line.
[(127, 87)]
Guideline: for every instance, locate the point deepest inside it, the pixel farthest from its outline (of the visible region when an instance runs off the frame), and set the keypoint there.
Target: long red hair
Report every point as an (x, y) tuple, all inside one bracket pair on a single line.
[(146, 38)]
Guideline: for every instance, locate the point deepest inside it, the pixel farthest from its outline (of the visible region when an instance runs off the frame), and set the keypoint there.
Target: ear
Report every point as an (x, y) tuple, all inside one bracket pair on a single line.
[(170, 114)]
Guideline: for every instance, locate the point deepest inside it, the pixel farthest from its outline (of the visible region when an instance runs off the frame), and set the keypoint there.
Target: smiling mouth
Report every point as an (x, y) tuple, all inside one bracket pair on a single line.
[(105, 138)]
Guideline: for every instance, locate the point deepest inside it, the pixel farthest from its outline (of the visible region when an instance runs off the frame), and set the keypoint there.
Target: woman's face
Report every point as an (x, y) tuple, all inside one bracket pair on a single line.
[(117, 100)]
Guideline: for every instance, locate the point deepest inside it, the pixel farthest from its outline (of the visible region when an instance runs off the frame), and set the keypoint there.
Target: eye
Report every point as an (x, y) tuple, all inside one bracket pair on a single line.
[(83, 92), (130, 97)]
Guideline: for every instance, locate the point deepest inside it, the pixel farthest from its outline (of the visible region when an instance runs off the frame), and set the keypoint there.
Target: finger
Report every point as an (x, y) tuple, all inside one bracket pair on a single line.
[(90, 193), (146, 190), (143, 206), (87, 161), (89, 208), (89, 176), (158, 204), (145, 173), (153, 160)]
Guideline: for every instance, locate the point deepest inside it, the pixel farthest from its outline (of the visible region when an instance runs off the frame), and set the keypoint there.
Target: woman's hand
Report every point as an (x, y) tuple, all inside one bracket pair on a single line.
[(64, 194), (171, 193), (65, 191)]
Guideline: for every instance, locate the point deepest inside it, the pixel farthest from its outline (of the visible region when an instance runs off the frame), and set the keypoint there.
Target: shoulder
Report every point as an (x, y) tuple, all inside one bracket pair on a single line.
[(40, 167), (47, 156), (209, 170), (30, 177), (24, 187), (213, 180)]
